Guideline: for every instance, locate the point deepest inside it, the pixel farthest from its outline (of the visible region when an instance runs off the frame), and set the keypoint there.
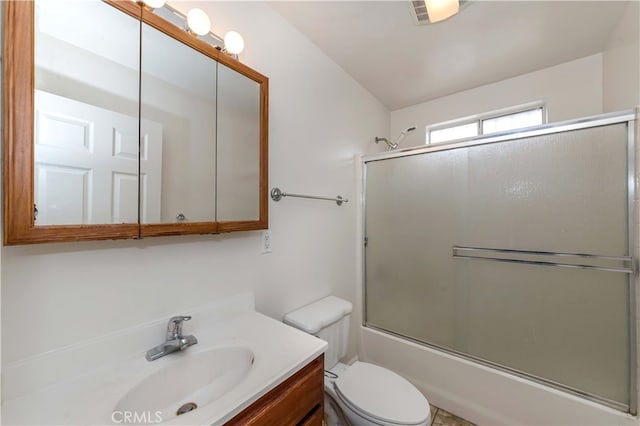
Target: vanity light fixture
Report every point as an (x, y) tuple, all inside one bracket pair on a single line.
[(198, 22), (153, 4), (439, 10), (233, 43)]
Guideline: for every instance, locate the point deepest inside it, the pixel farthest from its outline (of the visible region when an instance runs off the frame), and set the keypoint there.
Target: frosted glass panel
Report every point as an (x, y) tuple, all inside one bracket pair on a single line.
[(567, 325), (452, 133), (518, 120), (565, 192)]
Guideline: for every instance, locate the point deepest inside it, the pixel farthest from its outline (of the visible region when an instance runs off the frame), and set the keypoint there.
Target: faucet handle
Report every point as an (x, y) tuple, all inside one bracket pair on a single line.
[(174, 327)]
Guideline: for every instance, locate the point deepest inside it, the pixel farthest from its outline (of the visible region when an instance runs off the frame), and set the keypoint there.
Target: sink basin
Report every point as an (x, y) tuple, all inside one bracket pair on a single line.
[(188, 382)]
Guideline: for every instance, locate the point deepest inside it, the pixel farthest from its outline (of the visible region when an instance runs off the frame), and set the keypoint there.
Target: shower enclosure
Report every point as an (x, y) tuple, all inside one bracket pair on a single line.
[(515, 251)]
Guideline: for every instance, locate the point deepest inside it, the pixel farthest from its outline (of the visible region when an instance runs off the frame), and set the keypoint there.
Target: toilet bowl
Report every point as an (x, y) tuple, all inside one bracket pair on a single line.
[(361, 394), (371, 395)]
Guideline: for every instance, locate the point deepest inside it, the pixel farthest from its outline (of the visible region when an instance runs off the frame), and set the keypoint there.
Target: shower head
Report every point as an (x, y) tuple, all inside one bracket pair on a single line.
[(403, 134), (394, 145)]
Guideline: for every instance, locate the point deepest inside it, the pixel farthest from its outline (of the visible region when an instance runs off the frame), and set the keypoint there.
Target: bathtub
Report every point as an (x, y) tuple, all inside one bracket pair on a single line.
[(481, 394)]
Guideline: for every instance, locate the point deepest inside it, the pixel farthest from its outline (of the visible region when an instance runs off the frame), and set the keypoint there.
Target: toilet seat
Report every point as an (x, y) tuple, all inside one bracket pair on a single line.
[(381, 395)]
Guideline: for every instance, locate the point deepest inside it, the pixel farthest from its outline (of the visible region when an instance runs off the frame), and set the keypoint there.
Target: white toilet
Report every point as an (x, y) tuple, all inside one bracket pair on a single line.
[(363, 393)]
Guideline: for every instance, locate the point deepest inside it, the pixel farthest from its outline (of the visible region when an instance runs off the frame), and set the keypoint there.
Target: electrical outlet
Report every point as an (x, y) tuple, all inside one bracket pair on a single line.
[(266, 241)]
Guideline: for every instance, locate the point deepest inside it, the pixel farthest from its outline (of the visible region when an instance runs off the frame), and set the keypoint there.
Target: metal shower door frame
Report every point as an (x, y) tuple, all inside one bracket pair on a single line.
[(628, 117)]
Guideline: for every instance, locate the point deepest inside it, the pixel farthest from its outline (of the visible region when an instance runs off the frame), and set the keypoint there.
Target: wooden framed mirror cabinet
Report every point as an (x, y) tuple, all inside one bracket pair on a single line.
[(120, 124)]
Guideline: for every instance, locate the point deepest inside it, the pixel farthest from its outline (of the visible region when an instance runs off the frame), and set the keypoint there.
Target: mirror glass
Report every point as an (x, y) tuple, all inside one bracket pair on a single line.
[(177, 131), (86, 114), (238, 144)]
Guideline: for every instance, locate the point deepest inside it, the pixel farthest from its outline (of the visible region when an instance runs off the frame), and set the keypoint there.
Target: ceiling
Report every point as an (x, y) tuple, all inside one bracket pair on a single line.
[(403, 64)]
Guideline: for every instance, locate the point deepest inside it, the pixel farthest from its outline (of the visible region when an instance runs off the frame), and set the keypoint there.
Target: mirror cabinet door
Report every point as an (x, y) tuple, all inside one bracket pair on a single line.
[(85, 114), (239, 129), (178, 131)]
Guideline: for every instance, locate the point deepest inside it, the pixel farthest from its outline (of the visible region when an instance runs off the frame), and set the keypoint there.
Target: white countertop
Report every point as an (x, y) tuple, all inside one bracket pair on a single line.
[(90, 398)]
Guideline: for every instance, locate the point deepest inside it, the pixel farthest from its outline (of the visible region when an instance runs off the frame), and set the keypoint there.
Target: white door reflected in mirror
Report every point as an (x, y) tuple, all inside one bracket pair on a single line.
[(86, 164)]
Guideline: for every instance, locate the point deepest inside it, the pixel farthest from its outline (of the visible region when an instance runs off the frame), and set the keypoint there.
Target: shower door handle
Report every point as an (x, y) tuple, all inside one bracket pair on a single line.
[(624, 264)]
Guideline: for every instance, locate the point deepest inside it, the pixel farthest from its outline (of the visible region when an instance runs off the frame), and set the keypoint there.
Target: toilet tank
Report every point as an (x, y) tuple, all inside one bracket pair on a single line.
[(327, 319)]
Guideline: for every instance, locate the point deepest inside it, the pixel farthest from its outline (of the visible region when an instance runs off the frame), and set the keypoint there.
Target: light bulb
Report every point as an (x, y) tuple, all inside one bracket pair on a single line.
[(439, 10), (154, 4), (198, 22), (233, 42)]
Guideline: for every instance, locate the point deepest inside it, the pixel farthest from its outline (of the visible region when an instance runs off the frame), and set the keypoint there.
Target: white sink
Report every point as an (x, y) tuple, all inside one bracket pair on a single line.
[(188, 380), (238, 359)]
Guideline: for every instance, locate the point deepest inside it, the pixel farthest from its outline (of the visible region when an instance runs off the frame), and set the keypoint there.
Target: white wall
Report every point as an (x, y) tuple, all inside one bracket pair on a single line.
[(621, 62), (57, 294), (570, 90)]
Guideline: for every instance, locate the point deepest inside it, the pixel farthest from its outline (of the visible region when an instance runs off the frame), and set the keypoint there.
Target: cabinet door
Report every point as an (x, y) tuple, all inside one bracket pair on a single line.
[(298, 400), (178, 91), (238, 142)]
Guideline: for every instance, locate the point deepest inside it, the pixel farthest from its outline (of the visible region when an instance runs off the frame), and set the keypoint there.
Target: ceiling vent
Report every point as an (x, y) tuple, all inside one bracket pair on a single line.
[(420, 14)]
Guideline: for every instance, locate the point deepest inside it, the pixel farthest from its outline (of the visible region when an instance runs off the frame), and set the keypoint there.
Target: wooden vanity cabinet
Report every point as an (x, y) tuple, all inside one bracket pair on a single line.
[(299, 400)]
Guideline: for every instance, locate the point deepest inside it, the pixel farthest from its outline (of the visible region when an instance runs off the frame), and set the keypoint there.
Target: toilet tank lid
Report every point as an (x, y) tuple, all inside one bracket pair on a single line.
[(318, 315)]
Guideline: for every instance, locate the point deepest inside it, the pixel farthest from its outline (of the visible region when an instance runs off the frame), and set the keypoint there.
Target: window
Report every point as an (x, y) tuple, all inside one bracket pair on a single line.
[(516, 120), (454, 132), (486, 124)]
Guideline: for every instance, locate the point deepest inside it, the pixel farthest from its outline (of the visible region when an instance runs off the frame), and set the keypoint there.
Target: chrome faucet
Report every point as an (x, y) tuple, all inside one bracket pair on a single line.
[(175, 341)]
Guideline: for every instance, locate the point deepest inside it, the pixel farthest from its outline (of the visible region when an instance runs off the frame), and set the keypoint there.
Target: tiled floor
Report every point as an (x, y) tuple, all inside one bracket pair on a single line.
[(440, 417)]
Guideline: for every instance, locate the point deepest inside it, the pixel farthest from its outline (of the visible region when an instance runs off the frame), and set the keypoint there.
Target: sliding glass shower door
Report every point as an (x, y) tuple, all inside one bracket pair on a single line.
[(512, 251)]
